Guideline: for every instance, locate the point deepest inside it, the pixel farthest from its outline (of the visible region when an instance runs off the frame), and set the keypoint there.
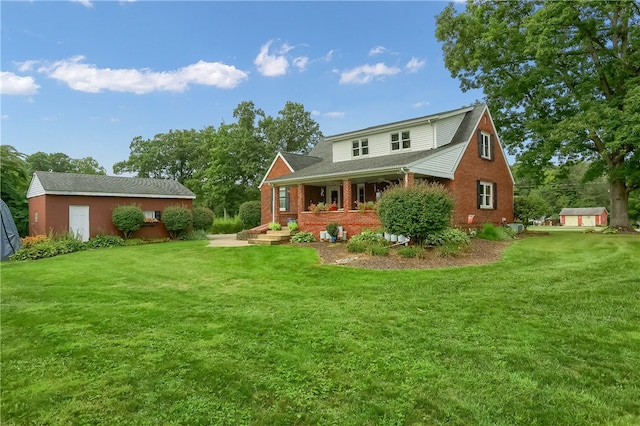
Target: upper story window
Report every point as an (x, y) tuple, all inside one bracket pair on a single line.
[(400, 140), (360, 147), (485, 150)]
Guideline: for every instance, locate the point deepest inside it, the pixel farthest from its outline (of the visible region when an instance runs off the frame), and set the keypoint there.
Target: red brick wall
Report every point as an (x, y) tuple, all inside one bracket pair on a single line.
[(53, 214), (473, 168), (278, 169), (352, 221)]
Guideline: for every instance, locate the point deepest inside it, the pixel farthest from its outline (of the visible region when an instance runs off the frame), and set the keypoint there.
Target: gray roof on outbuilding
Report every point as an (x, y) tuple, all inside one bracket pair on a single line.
[(582, 211), (44, 183)]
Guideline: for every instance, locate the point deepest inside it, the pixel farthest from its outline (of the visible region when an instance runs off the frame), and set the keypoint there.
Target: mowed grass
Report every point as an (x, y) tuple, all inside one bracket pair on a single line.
[(181, 333)]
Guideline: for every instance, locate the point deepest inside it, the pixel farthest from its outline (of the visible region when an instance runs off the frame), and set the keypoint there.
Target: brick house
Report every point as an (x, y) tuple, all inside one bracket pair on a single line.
[(459, 149), (83, 204)]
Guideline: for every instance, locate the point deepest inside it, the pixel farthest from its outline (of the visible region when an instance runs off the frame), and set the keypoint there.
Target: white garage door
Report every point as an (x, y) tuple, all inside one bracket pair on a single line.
[(571, 220), (588, 221), (79, 222)]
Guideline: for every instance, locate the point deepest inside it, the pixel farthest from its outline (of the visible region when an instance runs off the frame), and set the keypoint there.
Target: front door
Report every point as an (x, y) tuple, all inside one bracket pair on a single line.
[(79, 222)]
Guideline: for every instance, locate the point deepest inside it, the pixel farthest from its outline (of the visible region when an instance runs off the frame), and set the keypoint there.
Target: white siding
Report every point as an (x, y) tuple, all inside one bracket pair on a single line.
[(446, 128), (380, 143), (442, 164), (35, 188)]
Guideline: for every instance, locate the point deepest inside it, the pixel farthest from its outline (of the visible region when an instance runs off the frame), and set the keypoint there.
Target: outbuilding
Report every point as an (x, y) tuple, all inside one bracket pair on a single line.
[(83, 204), (583, 216)]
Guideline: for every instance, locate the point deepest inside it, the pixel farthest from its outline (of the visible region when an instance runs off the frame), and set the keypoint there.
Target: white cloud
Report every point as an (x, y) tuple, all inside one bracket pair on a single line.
[(329, 56), (365, 73), (415, 64), (377, 50), (11, 84), (88, 78), (5, 117), (301, 62), (25, 66), (85, 3), (333, 114), (421, 104), (271, 65)]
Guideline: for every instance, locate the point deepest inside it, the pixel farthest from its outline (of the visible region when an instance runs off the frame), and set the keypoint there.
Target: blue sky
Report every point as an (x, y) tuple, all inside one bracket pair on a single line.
[(86, 77)]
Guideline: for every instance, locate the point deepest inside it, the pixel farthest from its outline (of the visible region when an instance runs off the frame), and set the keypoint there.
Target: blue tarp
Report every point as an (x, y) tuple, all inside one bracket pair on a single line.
[(10, 242)]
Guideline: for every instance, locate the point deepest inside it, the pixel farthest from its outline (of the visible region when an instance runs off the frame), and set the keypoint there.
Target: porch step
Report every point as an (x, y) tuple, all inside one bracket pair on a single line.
[(271, 238)]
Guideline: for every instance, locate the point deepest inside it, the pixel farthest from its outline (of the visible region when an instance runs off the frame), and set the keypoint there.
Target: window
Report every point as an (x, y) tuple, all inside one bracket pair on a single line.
[(360, 147), (487, 195), (401, 140), (151, 215), (361, 192), (284, 198), (485, 147)]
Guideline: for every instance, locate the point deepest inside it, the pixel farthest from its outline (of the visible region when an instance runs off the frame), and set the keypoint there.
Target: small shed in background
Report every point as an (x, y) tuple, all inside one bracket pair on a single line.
[(83, 204), (583, 216)]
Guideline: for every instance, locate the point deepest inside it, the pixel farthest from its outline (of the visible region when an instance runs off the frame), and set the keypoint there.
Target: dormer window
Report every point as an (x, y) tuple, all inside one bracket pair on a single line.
[(400, 140), (360, 147)]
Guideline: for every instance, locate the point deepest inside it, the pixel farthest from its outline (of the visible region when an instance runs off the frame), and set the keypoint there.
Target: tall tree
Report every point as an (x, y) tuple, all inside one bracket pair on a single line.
[(14, 182), (292, 131), (561, 78), (60, 162)]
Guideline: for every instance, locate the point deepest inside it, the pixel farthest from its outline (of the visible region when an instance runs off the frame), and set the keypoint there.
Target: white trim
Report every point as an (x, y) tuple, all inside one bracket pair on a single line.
[(114, 194), (278, 155)]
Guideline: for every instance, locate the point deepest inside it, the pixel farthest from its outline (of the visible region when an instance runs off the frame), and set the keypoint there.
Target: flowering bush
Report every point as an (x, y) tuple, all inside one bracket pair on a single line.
[(32, 241)]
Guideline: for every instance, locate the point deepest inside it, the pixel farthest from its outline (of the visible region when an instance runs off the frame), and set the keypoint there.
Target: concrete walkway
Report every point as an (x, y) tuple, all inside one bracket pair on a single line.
[(226, 240)]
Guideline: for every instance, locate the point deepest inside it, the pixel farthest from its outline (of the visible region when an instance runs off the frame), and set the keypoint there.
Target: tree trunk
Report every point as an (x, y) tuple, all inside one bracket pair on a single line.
[(619, 205)]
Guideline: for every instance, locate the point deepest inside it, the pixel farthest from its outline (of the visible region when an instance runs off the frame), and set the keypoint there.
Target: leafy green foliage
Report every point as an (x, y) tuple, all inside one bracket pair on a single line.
[(104, 241), (495, 233), (14, 182), (230, 225), (303, 237), (62, 163), (275, 226), (561, 79), (369, 242), (177, 219), (415, 211), (127, 219), (530, 207), (194, 235), (250, 214), (609, 230), (411, 252), (447, 236), (202, 218), (42, 247), (293, 225), (333, 229)]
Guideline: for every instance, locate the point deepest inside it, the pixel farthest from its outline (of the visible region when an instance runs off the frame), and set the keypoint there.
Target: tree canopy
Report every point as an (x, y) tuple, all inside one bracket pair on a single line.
[(60, 162), (14, 182), (562, 80)]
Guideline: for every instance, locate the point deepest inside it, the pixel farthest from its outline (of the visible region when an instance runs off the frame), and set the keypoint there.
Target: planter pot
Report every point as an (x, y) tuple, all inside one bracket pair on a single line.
[(333, 239), (387, 236), (394, 238), (401, 239), (323, 235)]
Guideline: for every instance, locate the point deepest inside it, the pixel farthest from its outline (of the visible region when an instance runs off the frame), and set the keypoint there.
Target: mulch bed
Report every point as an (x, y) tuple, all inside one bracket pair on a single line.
[(481, 252)]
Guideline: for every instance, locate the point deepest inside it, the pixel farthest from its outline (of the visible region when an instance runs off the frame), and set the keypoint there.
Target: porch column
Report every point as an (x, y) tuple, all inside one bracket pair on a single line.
[(301, 206), (409, 179), (347, 202), (276, 204)]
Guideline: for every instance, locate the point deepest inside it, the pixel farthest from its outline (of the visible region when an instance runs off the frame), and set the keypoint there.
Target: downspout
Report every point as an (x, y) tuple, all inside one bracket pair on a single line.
[(273, 203)]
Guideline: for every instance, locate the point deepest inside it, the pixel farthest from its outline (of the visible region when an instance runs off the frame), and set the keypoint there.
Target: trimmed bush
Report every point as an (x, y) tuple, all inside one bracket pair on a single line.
[(128, 219), (202, 218), (231, 225), (332, 229), (415, 211), (176, 219), (250, 213), (303, 237)]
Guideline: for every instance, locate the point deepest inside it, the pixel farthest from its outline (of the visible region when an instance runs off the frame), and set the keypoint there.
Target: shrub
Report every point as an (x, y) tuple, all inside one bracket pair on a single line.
[(368, 242), (177, 219), (609, 230), (250, 214), (128, 219), (231, 225), (303, 237), (202, 218), (43, 247), (32, 241), (415, 211), (448, 236), (495, 233), (103, 241), (411, 252), (293, 225), (449, 250), (332, 229), (275, 226), (243, 235), (196, 234)]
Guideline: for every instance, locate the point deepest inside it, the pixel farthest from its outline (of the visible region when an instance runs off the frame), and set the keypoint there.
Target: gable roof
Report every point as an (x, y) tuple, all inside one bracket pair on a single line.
[(52, 183), (440, 162), (582, 211)]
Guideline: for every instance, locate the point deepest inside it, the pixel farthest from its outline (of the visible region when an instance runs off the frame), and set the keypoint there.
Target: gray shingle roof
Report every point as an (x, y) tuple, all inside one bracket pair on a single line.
[(100, 185), (323, 165), (582, 211)]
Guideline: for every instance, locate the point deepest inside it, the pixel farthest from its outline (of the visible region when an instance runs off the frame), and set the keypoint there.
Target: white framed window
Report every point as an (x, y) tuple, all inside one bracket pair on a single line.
[(151, 215), (486, 195), (284, 198), (484, 145), (400, 140), (361, 192), (360, 147)]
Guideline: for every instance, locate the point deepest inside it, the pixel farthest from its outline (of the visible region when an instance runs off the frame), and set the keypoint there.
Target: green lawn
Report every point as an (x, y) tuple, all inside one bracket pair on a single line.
[(181, 333)]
